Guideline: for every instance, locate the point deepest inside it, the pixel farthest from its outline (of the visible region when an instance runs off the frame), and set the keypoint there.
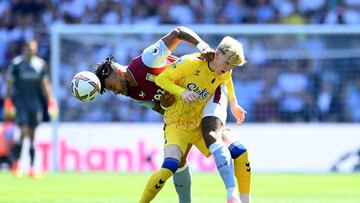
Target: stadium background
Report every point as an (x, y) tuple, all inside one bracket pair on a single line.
[(301, 91)]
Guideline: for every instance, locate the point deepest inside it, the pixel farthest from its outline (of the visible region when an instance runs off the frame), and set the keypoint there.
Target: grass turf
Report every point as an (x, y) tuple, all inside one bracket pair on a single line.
[(207, 188)]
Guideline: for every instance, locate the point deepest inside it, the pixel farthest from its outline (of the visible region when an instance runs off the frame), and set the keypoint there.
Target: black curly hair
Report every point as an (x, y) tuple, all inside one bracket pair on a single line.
[(103, 70)]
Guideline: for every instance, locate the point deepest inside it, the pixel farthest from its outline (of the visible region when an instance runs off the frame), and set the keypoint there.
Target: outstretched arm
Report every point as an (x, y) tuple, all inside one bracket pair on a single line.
[(155, 55), (181, 33), (237, 111)]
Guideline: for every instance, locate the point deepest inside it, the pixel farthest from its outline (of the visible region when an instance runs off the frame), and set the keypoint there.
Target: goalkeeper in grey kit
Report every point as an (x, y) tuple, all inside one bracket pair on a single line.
[(27, 85)]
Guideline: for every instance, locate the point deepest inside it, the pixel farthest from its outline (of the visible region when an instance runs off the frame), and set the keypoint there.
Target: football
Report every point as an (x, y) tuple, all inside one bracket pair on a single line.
[(85, 86)]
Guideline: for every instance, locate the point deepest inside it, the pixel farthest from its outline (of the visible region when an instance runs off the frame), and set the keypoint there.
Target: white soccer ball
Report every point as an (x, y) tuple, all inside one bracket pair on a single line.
[(85, 86)]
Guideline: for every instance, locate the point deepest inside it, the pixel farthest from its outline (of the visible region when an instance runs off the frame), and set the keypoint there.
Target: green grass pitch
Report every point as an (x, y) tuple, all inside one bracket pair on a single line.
[(207, 188)]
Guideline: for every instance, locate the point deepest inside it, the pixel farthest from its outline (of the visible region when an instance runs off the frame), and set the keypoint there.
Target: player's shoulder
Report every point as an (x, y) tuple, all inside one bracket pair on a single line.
[(37, 61), (17, 60), (226, 76), (194, 58)]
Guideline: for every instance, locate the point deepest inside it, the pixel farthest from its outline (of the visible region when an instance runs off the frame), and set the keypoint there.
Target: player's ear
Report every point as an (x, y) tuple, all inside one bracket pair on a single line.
[(117, 66), (217, 53), (118, 72)]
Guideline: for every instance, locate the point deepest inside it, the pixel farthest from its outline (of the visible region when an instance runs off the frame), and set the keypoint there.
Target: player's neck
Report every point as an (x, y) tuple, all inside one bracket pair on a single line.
[(211, 66), (28, 58), (130, 78)]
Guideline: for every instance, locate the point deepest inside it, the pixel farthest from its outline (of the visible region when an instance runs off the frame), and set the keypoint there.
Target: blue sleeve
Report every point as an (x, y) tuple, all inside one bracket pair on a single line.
[(155, 55)]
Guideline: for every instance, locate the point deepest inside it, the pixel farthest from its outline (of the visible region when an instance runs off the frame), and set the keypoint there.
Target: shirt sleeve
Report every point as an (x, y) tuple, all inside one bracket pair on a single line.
[(10, 72), (146, 103), (155, 55), (231, 89), (175, 71)]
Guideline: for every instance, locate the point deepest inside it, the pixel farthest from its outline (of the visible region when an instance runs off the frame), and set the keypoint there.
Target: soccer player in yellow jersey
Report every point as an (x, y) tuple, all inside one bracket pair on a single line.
[(194, 81)]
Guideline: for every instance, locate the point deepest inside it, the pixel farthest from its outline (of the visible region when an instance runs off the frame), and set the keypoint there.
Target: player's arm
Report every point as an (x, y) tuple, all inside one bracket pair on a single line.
[(46, 87), (155, 106), (155, 55), (237, 111), (48, 94), (174, 72), (181, 33), (166, 80), (9, 81), (166, 100), (9, 107)]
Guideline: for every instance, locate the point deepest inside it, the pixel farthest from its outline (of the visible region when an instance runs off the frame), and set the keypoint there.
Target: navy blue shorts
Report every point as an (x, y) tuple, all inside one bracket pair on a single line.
[(30, 118)]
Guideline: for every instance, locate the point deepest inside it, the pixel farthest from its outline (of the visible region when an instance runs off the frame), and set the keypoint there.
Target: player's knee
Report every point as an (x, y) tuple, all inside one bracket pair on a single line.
[(171, 163), (237, 149), (211, 126)]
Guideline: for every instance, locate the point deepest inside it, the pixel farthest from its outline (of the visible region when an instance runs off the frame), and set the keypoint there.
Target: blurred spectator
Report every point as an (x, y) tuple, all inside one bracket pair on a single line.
[(353, 100), (295, 17), (266, 106), (248, 88), (265, 12), (182, 12), (328, 103), (345, 13), (291, 93), (235, 11)]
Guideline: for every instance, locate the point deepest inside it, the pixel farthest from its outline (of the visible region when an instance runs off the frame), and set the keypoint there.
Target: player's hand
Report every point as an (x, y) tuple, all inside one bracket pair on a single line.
[(208, 54), (9, 108), (190, 96), (238, 113), (166, 100), (53, 109)]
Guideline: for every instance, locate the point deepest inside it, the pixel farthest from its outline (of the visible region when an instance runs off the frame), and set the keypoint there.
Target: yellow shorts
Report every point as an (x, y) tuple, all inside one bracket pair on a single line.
[(185, 139)]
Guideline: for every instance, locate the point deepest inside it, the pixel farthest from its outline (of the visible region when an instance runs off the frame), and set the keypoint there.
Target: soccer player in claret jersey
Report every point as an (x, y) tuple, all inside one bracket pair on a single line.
[(129, 80), (194, 81), (136, 80)]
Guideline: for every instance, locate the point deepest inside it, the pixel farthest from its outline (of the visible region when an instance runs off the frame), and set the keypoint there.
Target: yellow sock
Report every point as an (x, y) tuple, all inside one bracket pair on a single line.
[(155, 184), (242, 171)]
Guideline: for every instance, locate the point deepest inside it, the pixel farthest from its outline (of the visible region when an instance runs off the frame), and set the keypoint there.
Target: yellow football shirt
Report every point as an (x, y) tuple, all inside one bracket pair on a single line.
[(190, 72)]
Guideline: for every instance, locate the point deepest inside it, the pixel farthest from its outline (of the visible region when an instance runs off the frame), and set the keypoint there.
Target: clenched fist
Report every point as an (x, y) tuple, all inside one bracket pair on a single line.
[(166, 100)]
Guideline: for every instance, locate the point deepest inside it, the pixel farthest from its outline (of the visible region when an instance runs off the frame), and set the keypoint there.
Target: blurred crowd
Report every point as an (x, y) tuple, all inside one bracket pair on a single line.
[(271, 90)]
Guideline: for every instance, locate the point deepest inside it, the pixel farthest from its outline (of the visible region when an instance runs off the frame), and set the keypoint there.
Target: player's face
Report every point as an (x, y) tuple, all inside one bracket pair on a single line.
[(220, 65), (30, 48), (117, 84)]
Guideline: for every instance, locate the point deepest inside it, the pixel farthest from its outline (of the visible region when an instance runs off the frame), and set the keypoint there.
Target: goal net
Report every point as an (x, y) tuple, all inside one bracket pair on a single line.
[(293, 74)]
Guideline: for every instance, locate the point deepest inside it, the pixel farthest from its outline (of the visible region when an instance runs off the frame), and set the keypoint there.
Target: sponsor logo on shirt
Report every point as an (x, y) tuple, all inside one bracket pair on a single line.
[(150, 77), (195, 88), (155, 51)]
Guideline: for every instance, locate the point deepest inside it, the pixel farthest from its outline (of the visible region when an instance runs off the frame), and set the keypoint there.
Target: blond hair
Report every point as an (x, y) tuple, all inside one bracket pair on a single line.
[(232, 50)]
